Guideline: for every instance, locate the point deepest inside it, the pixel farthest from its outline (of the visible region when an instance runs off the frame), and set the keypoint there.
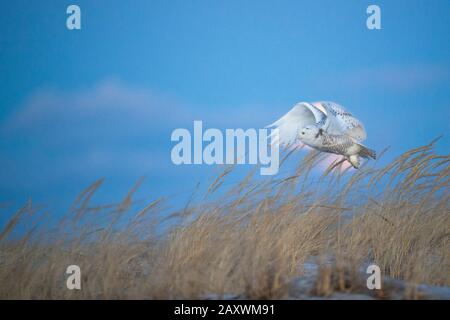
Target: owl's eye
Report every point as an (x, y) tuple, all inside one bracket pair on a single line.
[(303, 132)]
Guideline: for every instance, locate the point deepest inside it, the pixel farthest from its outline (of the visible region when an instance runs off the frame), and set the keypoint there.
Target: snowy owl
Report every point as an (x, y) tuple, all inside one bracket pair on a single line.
[(325, 126)]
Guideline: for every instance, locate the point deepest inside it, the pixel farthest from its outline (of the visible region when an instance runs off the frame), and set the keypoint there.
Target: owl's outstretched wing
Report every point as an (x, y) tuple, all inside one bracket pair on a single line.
[(300, 116), (339, 121)]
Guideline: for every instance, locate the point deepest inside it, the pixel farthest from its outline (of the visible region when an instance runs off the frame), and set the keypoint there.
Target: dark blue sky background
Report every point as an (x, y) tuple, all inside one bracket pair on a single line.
[(102, 101)]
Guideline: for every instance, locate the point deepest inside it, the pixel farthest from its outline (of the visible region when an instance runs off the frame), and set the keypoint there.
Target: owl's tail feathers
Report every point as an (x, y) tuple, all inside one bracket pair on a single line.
[(367, 153)]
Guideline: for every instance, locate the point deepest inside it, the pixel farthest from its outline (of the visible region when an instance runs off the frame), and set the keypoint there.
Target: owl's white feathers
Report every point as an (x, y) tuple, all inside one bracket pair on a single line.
[(329, 116), (341, 122), (301, 115)]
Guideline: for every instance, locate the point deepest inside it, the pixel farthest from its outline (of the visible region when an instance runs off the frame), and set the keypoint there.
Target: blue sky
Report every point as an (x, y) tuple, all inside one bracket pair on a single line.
[(102, 101)]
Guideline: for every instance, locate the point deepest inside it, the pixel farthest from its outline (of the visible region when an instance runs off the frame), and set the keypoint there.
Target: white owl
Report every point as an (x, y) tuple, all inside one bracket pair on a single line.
[(325, 126)]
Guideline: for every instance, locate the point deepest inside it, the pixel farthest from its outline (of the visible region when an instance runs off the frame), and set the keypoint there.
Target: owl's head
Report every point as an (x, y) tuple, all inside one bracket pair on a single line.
[(309, 134)]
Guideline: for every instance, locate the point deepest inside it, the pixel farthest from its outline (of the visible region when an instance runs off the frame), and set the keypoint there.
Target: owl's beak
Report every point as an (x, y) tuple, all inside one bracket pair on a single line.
[(319, 133)]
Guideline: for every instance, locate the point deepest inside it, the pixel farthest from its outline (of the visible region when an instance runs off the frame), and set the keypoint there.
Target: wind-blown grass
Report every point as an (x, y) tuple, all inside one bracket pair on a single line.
[(252, 241)]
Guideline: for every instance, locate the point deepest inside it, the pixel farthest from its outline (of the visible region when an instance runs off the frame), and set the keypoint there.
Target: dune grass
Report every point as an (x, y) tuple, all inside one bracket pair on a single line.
[(251, 241)]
